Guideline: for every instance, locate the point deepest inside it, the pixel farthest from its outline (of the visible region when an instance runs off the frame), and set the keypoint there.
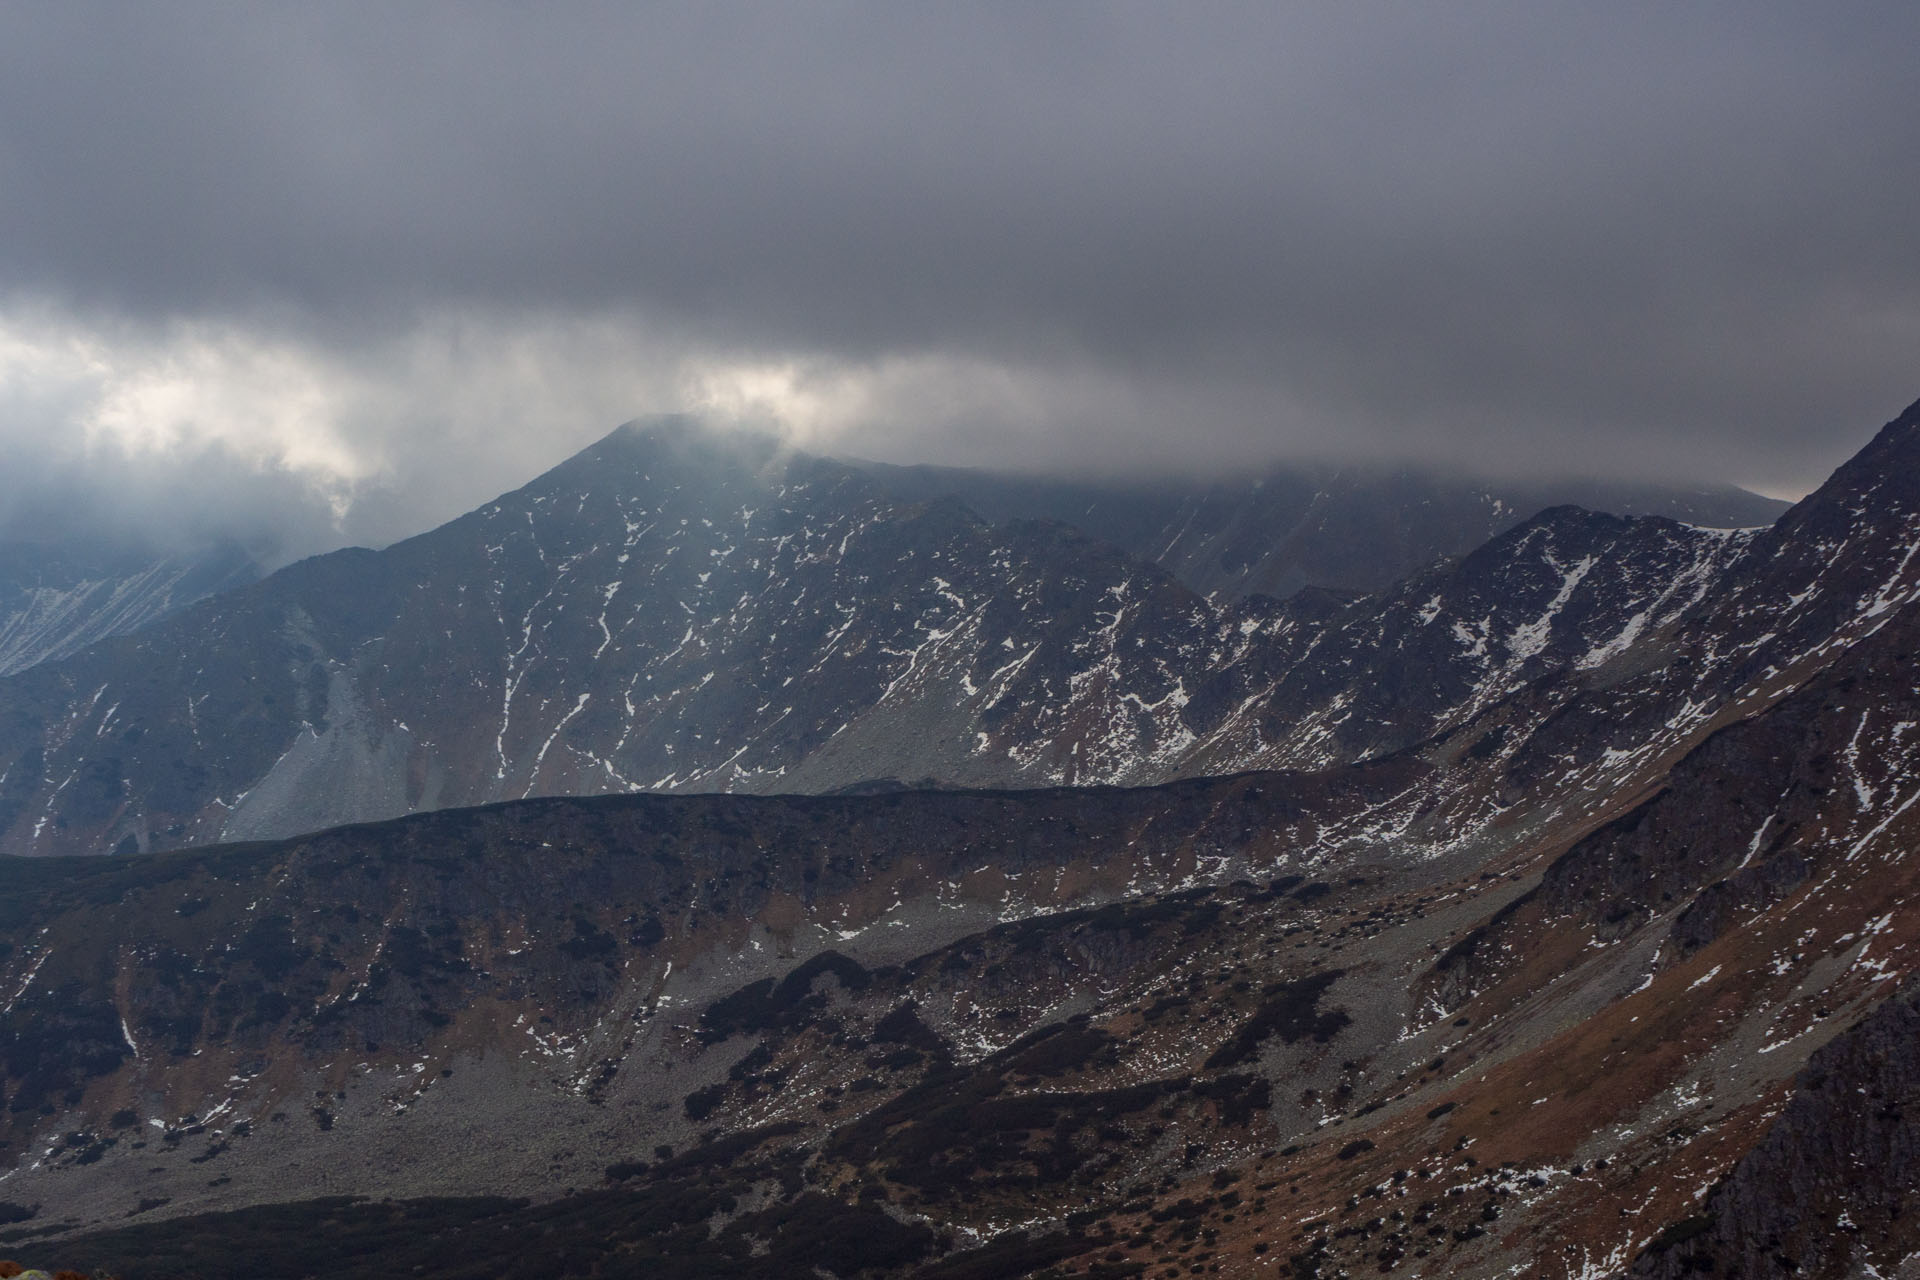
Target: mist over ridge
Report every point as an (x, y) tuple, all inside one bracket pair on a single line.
[(340, 274)]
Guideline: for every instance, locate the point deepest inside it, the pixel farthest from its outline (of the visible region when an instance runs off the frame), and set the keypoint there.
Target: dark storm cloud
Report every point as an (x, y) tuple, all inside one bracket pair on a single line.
[(1624, 237)]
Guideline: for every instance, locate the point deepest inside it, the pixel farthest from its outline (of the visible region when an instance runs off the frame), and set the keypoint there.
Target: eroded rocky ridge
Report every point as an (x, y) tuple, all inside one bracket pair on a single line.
[(673, 612)]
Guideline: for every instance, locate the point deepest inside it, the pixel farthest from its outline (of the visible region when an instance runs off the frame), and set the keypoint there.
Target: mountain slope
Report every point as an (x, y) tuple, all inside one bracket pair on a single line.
[(1145, 1027), (1825, 1191), (57, 600), (1348, 529), (670, 611), (663, 611), (1568, 988)]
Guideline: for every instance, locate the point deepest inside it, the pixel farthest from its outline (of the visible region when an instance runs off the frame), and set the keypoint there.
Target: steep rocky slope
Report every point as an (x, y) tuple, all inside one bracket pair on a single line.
[(673, 612), (1826, 1190), (1086, 1029), (1586, 982), (56, 599)]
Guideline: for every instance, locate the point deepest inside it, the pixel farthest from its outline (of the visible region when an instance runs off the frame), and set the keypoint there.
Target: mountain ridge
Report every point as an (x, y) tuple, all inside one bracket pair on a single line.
[(1436, 989), (1345, 528), (1561, 982), (928, 643)]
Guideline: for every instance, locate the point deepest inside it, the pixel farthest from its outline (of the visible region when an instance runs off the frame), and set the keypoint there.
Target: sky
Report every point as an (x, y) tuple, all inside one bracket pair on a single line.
[(330, 272)]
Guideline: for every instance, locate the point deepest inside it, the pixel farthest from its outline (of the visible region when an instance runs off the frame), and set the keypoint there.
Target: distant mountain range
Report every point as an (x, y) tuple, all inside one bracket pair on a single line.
[(1552, 911), (1349, 529), (673, 611)]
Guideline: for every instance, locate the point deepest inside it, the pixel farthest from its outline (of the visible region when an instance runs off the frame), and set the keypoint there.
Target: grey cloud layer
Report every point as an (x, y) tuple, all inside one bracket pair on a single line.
[(1620, 236)]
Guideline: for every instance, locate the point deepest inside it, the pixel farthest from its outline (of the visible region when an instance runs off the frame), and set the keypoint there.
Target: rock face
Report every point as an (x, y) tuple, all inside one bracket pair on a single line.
[(671, 612), (1828, 1190), (56, 600), (1346, 529)]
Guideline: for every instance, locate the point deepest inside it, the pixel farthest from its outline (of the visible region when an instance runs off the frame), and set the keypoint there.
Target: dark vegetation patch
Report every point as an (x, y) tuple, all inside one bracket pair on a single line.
[(904, 1026), (1276, 889), (768, 1006), (724, 1152), (658, 1229), (815, 1231), (1488, 743), (751, 1067), (1679, 1233), (53, 1042), (1052, 1050), (590, 942), (416, 955), (268, 946), (1190, 910), (702, 1103), (1165, 1005), (1469, 946), (1238, 1096), (1289, 1010), (959, 1129), (648, 933)]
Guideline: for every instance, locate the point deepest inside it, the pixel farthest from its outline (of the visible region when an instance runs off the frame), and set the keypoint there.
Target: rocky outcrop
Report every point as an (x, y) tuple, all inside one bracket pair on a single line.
[(1829, 1191)]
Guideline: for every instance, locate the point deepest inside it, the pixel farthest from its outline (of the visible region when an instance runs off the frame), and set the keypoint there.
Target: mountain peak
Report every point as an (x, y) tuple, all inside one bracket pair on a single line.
[(682, 453), (1900, 438), (1884, 476), (660, 426), (685, 432)]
